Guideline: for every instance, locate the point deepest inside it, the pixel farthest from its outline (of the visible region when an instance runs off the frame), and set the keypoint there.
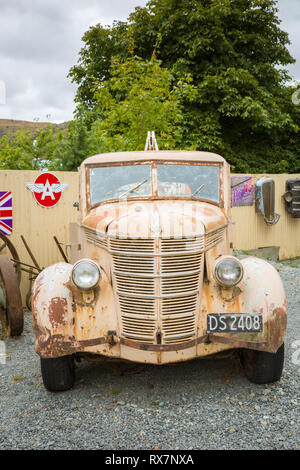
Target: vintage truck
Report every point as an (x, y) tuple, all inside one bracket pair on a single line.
[(152, 278)]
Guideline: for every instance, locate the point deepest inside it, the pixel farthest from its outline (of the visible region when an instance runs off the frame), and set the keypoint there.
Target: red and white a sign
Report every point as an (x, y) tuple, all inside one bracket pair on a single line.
[(47, 189)]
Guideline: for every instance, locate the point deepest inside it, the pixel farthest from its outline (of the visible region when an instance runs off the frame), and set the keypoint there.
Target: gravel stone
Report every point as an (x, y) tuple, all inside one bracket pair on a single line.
[(201, 404)]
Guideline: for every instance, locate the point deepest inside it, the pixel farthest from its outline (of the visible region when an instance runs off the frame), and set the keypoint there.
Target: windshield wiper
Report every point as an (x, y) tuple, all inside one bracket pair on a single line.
[(134, 189), (198, 189)]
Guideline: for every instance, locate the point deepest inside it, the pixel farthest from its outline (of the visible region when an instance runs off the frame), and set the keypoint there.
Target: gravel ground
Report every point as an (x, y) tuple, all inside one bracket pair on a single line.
[(202, 404)]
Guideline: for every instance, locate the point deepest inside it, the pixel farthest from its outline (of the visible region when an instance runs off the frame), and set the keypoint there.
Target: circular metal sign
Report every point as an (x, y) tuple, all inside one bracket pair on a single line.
[(47, 189)]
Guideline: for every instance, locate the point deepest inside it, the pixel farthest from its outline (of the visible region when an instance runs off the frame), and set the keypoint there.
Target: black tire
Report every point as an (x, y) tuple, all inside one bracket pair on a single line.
[(58, 373), (263, 367)]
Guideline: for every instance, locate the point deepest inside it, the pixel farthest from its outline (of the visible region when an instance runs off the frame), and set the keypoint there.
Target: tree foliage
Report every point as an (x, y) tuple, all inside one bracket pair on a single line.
[(27, 151), (236, 54), (140, 95), (204, 74)]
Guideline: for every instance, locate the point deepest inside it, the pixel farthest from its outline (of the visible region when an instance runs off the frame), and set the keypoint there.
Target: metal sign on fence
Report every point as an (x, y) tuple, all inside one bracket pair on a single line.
[(47, 189), (5, 212)]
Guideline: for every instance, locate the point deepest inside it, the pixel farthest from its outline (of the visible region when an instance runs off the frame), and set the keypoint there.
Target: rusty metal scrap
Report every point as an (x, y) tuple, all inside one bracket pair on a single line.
[(11, 294)]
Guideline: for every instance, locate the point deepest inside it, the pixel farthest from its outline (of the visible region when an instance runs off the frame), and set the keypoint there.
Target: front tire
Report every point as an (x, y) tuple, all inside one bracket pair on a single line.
[(263, 367), (58, 373)]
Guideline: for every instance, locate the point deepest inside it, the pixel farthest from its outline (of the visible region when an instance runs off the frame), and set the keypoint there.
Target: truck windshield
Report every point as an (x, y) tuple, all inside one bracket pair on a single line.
[(173, 180), (200, 181), (113, 182)]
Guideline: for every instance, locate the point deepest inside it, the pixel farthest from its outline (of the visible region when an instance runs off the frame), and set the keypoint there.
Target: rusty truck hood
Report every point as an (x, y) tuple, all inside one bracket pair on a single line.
[(155, 218)]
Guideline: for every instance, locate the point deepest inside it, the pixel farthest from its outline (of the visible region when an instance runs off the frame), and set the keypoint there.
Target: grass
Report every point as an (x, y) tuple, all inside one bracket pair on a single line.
[(17, 378)]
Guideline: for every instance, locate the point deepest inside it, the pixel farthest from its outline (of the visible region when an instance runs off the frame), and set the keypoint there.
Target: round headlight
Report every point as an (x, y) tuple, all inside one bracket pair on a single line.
[(85, 274), (228, 272)]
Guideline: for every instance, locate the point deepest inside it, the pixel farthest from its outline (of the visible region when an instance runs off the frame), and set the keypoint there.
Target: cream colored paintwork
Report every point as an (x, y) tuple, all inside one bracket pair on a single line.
[(174, 155)]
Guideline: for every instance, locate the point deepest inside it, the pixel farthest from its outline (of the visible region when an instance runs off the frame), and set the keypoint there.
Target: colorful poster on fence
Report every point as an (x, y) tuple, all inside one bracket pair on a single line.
[(242, 191)]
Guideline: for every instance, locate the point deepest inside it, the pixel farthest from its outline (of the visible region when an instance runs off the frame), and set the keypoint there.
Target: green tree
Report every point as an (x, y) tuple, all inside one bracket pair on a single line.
[(72, 147), (27, 151), (236, 54), (139, 96)]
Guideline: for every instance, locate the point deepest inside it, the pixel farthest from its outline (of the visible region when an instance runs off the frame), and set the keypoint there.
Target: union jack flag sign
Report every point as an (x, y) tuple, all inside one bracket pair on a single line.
[(5, 212)]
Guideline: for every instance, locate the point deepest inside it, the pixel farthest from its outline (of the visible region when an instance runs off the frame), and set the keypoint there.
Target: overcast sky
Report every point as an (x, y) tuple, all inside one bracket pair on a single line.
[(40, 41)]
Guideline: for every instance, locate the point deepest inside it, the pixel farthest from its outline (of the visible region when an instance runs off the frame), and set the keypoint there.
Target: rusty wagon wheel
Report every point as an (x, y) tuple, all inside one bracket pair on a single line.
[(6, 243), (10, 297)]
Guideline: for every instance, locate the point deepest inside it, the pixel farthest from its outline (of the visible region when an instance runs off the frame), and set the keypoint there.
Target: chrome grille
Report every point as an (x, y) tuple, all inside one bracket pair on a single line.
[(95, 237), (132, 245), (183, 244), (134, 307), (180, 264), (175, 285), (135, 285), (134, 264), (179, 306), (142, 329), (158, 283), (213, 238), (158, 288), (179, 318)]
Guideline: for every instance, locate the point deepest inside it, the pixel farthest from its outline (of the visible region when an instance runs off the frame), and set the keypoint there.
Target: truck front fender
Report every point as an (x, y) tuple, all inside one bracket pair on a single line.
[(52, 309), (261, 291)]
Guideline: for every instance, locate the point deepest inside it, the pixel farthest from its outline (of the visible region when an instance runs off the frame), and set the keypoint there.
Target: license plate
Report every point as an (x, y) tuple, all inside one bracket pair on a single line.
[(234, 323)]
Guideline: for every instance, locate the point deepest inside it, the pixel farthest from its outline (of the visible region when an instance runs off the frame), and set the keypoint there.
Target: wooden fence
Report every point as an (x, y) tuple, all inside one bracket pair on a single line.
[(251, 232)]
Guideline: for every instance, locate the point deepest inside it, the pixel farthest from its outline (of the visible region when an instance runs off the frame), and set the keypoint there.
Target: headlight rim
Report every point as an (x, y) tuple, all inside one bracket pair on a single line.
[(219, 281), (85, 260)]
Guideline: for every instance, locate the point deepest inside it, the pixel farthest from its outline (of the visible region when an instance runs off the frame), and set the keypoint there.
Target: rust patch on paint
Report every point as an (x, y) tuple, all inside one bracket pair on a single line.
[(57, 309), (49, 345), (162, 347), (276, 328)]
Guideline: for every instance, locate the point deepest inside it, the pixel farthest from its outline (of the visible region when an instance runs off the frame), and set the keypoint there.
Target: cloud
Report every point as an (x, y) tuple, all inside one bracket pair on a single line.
[(40, 41), (289, 13)]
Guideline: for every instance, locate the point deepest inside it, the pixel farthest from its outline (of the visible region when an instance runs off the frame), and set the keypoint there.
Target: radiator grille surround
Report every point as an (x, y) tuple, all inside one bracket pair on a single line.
[(158, 284)]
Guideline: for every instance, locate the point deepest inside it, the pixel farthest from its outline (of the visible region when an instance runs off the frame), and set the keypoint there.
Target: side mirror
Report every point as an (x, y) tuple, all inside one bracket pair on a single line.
[(265, 200), (292, 197)]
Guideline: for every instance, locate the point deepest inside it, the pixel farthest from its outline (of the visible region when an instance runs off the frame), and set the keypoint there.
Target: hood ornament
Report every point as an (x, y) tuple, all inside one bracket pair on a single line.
[(156, 228)]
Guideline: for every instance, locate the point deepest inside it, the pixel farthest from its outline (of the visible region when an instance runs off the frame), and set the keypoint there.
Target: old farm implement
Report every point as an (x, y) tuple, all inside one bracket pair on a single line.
[(11, 268)]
